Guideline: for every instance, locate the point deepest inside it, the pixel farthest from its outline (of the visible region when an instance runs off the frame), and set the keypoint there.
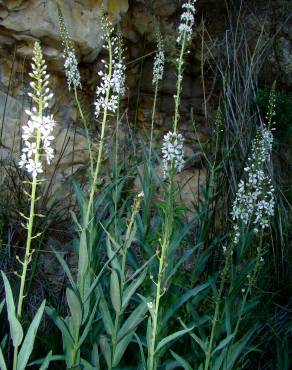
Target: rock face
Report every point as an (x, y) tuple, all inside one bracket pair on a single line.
[(22, 22)]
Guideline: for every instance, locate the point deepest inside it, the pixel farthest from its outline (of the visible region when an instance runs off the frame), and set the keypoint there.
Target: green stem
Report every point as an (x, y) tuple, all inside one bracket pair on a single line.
[(28, 254), (160, 289), (152, 125), (85, 128), (251, 282), (116, 169), (126, 245), (179, 83), (101, 144), (217, 309)]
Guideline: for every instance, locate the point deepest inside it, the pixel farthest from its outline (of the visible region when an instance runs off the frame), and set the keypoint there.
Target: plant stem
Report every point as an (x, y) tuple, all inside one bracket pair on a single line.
[(179, 83), (85, 128), (251, 282), (101, 143), (152, 125), (160, 289), (217, 308), (29, 237)]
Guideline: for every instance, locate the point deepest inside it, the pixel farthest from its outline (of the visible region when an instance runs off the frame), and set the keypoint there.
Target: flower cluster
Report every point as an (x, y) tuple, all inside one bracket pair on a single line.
[(71, 69), (70, 60), (172, 152), (158, 67), (254, 202), (112, 84), (187, 20), (37, 132)]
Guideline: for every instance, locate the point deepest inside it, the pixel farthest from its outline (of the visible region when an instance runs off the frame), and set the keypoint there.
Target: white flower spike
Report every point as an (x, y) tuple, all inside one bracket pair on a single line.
[(37, 132), (172, 153)]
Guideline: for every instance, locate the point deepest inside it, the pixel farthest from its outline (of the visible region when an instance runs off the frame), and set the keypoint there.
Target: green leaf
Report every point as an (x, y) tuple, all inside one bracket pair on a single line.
[(182, 300), (28, 343), (131, 289), (105, 314), (83, 255), (115, 292), (86, 365), (105, 349), (46, 362), (223, 343), (75, 308), (88, 326), (121, 347), (2, 305), (16, 331), (59, 322), (141, 351), (181, 361), (82, 201), (2, 361), (4, 342), (172, 337), (65, 268), (133, 321), (52, 358), (95, 357)]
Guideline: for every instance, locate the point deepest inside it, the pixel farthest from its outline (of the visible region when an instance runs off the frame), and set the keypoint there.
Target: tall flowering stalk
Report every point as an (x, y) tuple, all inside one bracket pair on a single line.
[(37, 137), (158, 71), (172, 151), (121, 60), (73, 76), (185, 30), (107, 97), (252, 208)]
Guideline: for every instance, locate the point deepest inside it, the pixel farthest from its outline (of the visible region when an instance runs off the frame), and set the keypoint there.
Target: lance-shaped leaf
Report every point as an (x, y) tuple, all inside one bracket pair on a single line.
[(133, 321), (2, 361), (131, 289), (83, 255), (171, 338), (28, 343), (16, 331), (115, 291), (105, 349), (181, 361), (75, 308), (46, 362)]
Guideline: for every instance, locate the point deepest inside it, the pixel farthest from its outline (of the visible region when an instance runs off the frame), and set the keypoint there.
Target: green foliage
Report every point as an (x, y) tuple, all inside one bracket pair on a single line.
[(283, 109)]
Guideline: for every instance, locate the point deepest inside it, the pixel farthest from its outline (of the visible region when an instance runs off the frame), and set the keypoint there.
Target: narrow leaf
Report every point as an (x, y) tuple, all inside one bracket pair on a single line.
[(46, 362), (105, 349), (133, 320), (83, 255), (16, 331), (2, 361), (172, 337), (28, 343), (223, 343), (65, 268), (75, 308), (131, 289), (181, 361), (115, 292)]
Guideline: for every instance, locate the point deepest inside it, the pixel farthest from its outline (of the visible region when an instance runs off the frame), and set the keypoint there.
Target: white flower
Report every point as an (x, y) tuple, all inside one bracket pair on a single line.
[(172, 153), (71, 68), (114, 81), (254, 202), (187, 21), (34, 167), (158, 67), (37, 132), (30, 149), (150, 305)]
